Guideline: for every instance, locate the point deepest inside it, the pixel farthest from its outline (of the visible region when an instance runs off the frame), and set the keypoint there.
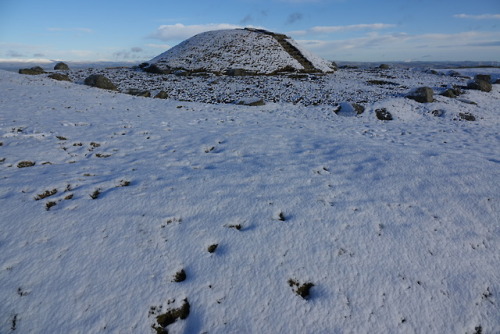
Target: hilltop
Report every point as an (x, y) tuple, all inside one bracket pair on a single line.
[(253, 51)]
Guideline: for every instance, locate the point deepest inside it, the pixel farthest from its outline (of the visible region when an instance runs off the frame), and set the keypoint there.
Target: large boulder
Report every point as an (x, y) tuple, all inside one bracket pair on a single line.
[(422, 95), (481, 82), (61, 67), (32, 71), (100, 81)]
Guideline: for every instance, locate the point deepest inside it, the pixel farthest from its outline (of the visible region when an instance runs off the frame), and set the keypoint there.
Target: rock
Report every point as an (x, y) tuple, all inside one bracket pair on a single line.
[(384, 67), (161, 95), (252, 102), (467, 116), (238, 72), (61, 67), (481, 85), (181, 73), (483, 77), (347, 109), (497, 82), (155, 70), (138, 92), (451, 92), (59, 77), (358, 108), (383, 114), (32, 71), (422, 95), (438, 113), (100, 81)]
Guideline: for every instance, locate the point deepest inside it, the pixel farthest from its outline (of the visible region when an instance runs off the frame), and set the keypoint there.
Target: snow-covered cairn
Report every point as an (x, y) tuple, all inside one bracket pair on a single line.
[(239, 52)]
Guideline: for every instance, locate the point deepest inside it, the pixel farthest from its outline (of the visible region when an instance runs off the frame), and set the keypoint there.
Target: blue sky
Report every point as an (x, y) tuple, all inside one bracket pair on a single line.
[(339, 30)]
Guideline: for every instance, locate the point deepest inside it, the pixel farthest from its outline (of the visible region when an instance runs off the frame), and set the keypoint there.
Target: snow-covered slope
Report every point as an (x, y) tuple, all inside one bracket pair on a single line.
[(220, 50), (395, 223)]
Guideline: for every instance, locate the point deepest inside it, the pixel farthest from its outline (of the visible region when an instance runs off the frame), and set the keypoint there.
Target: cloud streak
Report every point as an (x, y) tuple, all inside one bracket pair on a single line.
[(478, 17), (336, 29)]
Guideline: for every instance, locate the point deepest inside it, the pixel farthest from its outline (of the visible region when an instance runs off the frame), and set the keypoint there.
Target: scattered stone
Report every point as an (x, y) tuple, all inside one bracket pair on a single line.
[(37, 70), (238, 72), (467, 101), (138, 92), (251, 101), (302, 290), (467, 116), (422, 95), (384, 67), (61, 67), (24, 164), (451, 92), (100, 81), (180, 276), (212, 248), (59, 77), (482, 85), (155, 70), (497, 82), (483, 77), (161, 95), (438, 113), (383, 114), (382, 82), (347, 109)]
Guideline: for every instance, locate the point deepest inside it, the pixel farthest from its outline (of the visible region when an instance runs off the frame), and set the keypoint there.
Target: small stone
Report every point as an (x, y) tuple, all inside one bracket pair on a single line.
[(100, 81), (383, 114)]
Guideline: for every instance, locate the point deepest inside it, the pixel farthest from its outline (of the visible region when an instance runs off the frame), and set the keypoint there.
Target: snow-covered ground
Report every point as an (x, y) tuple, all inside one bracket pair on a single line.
[(395, 223)]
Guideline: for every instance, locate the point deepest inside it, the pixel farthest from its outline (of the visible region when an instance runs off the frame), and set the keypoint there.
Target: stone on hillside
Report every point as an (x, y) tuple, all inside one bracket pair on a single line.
[(61, 67), (161, 95), (467, 116), (422, 95), (155, 70), (384, 67), (238, 72), (438, 113), (138, 92), (100, 81), (251, 101), (32, 71), (479, 84), (483, 77), (451, 92), (383, 114), (347, 109), (59, 77)]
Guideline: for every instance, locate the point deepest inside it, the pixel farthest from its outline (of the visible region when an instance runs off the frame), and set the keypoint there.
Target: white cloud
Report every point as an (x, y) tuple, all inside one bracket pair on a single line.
[(478, 17), (179, 31), (334, 29)]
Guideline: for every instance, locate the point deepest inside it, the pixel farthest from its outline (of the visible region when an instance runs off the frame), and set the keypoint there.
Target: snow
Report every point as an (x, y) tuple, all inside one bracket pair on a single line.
[(397, 223), (220, 50)]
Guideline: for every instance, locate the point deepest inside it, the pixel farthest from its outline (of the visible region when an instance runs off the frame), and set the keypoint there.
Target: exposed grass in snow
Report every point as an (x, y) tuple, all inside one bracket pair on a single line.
[(346, 224)]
